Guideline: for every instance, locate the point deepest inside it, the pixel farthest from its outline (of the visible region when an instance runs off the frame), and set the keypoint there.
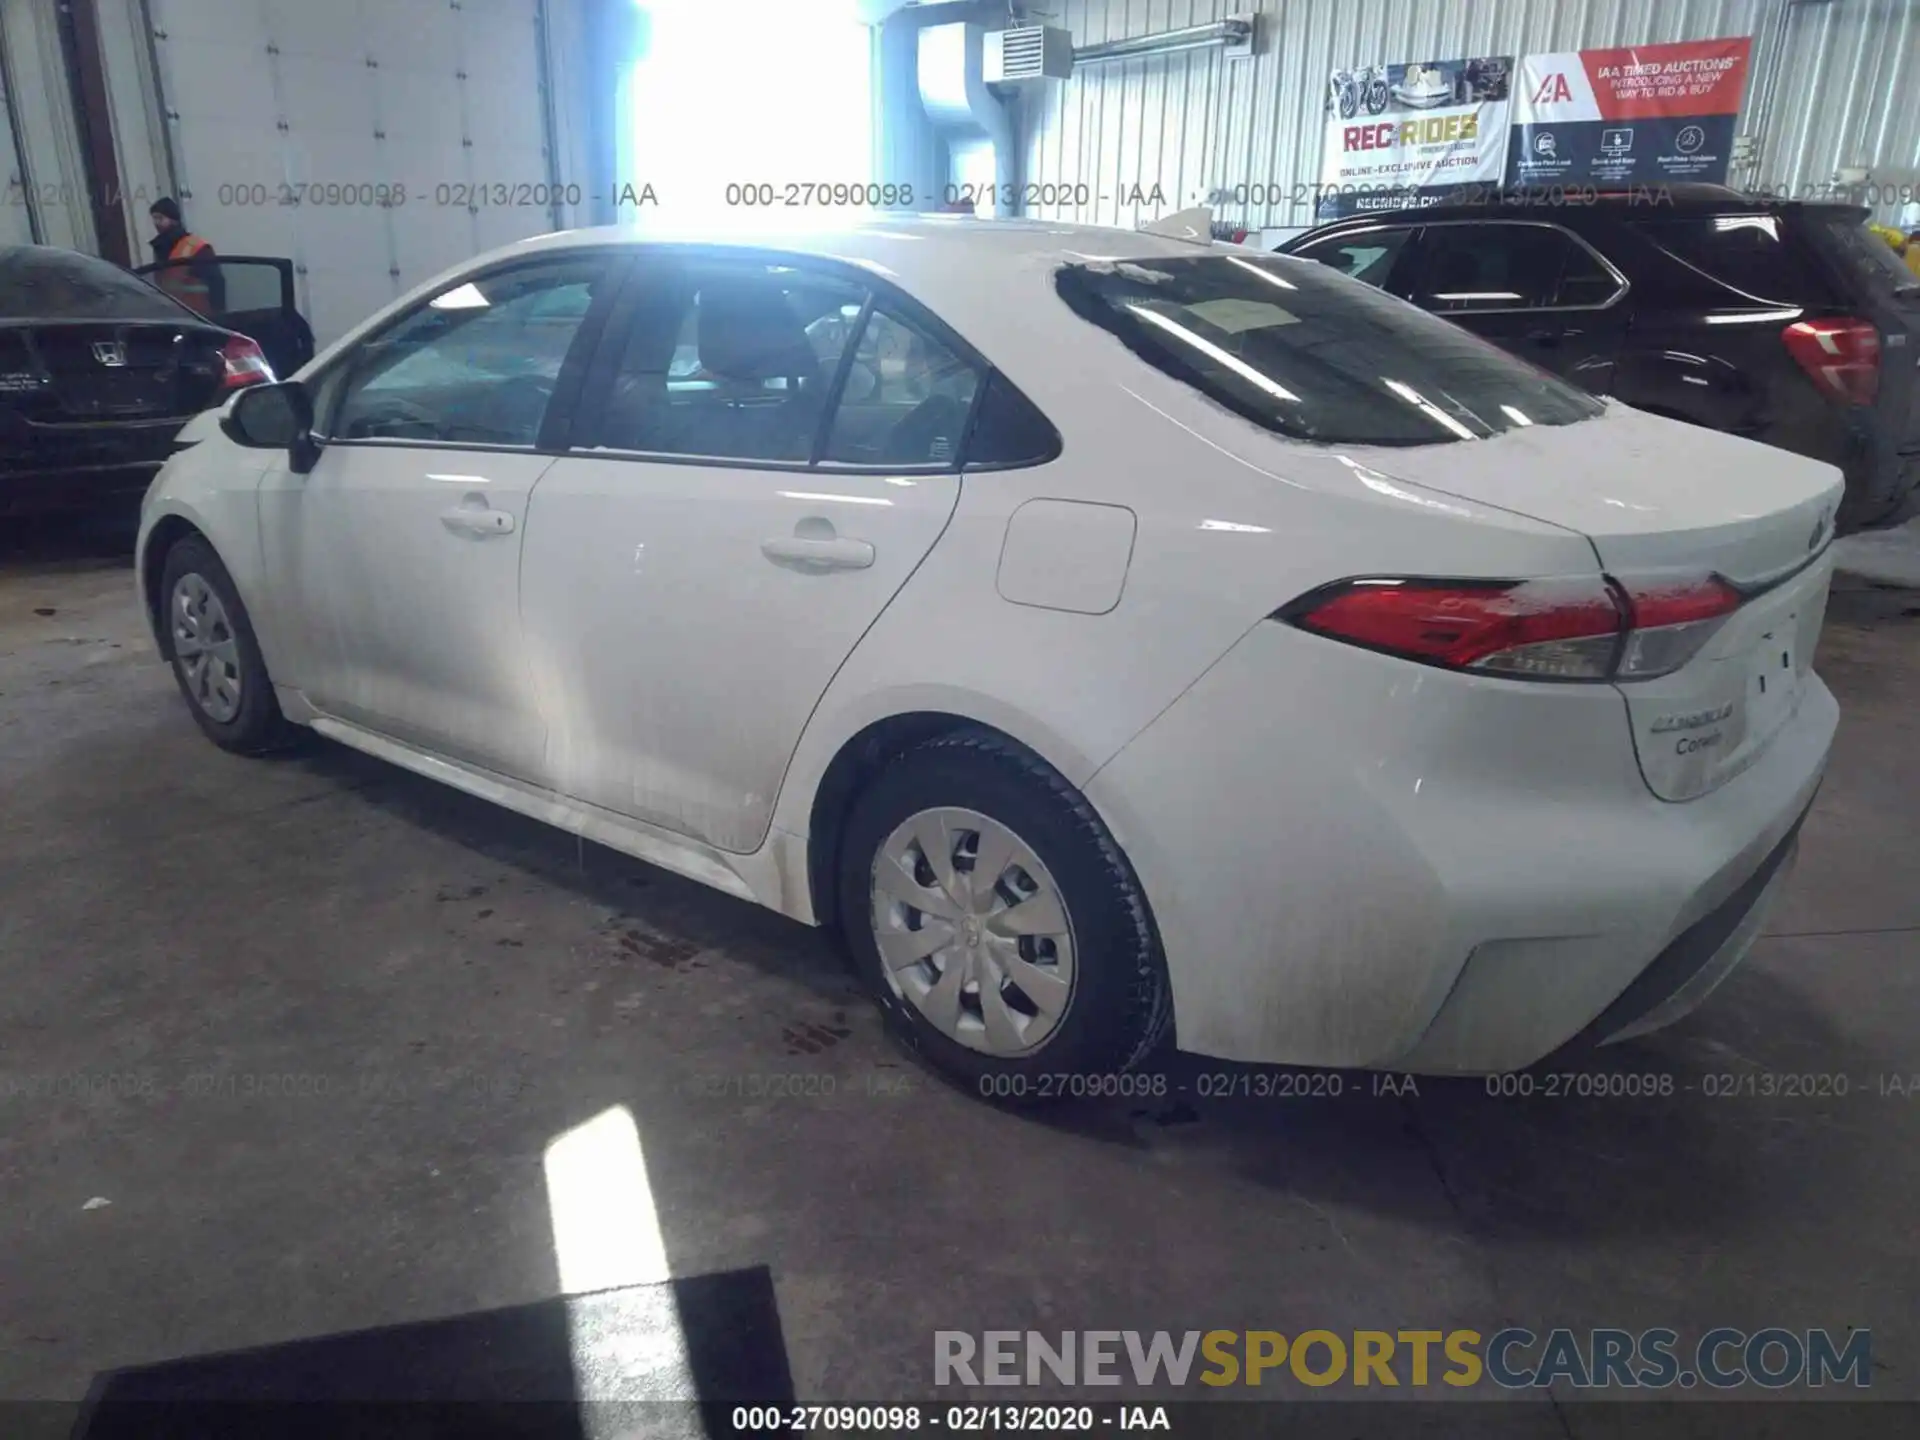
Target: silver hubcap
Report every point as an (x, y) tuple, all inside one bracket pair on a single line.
[(204, 648), (972, 931)]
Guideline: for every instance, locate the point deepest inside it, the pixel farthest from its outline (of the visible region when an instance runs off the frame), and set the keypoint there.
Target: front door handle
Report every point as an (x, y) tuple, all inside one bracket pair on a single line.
[(477, 520), (818, 554)]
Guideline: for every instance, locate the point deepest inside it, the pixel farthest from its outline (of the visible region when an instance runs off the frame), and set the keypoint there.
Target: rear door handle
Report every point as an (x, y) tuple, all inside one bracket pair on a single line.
[(478, 520), (818, 554)]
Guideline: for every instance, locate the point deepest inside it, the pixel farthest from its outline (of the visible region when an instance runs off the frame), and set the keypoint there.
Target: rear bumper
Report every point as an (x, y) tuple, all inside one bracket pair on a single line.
[(50, 468), (1357, 862), (1691, 968)]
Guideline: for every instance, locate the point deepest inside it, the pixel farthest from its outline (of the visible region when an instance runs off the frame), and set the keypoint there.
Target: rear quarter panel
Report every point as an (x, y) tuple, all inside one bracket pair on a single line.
[(1231, 520)]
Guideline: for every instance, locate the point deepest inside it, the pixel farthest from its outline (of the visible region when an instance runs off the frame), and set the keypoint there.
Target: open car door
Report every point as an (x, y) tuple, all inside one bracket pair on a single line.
[(252, 294)]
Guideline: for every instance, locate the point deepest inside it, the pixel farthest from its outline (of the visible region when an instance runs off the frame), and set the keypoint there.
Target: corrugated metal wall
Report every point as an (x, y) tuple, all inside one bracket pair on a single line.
[(1848, 91)]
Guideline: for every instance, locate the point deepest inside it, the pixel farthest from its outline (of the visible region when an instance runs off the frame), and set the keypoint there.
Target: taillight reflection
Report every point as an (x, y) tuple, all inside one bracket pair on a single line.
[(243, 363), (1842, 357)]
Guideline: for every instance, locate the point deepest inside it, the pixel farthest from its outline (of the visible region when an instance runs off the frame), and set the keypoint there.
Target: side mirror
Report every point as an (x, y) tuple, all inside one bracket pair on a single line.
[(274, 417)]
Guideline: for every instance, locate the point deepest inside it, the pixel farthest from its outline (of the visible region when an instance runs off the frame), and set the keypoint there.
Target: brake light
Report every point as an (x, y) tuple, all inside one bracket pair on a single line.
[(1581, 630), (243, 363), (1841, 356)]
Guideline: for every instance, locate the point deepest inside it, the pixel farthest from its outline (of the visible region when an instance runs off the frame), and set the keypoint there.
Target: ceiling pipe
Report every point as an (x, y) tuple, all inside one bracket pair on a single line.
[(1223, 33)]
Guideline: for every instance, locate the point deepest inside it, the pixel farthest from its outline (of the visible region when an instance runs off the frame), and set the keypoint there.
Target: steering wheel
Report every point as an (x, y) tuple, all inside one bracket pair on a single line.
[(520, 403), (393, 417), (508, 412)]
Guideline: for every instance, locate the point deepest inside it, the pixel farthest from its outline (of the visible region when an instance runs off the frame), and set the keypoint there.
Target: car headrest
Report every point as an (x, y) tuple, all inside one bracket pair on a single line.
[(748, 331)]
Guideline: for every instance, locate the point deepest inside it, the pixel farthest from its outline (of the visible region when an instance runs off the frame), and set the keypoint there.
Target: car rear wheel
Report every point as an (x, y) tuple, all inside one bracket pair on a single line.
[(997, 924), (216, 659)]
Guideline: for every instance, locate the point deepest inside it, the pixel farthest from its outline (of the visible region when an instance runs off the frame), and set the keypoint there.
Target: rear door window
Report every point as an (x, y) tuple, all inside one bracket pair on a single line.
[(1367, 255), (1508, 266), (904, 399), (730, 359), (1309, 353)]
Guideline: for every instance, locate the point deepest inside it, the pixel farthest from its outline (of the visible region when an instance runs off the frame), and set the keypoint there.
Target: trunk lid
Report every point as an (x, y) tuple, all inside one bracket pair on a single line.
[(1662, 500), (84, 372), (1650, 493)]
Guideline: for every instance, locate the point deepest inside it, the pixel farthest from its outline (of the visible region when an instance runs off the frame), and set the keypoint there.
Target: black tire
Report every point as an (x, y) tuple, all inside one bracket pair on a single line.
[(257, 726), (1119, 1011)]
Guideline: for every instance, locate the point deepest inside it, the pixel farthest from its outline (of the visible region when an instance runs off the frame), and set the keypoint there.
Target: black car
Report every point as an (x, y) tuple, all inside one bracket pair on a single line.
[(1789, 323), (99, 370), (252, 294)]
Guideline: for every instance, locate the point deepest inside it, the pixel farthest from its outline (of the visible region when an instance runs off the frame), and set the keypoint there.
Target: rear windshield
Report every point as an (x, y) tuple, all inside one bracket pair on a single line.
[(1867, 256), (39, 282), (1309, 353)]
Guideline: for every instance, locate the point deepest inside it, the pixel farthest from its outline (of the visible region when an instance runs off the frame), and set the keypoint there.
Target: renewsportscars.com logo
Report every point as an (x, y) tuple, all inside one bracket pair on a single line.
[(1513, 1358)]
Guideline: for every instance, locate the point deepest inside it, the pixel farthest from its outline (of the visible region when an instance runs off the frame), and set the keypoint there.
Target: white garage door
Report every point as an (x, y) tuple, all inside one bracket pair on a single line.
[(16, 223), (374, 142)]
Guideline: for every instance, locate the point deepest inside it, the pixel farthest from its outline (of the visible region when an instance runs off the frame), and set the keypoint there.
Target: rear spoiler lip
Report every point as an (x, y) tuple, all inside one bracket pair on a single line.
[(1753, 589)]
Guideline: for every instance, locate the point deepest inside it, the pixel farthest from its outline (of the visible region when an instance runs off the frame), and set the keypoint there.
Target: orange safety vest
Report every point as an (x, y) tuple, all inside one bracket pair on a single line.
[(182, 284)]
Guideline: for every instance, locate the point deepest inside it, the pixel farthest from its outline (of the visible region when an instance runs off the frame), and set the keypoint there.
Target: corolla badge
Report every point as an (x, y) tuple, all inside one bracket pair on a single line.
[(1667, 724)]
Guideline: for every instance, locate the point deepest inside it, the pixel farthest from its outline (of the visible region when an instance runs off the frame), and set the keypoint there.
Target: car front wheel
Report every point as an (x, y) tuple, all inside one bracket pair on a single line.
[(216, 659), (998, 925)]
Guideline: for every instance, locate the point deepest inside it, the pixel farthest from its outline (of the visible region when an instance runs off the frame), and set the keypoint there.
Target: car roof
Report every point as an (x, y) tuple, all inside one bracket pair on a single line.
[(943, 260), (987, 279), (54, 255), (1572, 201)]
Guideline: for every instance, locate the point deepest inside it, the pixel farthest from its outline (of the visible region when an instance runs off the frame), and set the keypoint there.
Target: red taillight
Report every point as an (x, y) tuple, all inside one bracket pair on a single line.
[(1842, 357), (243, 364), (1534, 629), (1668, 622), (1562, 630)]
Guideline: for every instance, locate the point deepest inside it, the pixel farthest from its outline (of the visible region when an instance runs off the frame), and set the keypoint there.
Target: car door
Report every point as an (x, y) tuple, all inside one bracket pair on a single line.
[(1532, 287), (1377, 254), (397, 557), (767, 454), (252, 294)]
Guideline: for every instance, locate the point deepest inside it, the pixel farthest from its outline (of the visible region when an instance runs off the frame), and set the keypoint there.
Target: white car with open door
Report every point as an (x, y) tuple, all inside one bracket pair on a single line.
[(1110, 633)]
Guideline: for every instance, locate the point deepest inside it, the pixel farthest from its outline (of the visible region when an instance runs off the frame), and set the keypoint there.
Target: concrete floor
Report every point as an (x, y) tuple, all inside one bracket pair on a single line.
[(464, 986)]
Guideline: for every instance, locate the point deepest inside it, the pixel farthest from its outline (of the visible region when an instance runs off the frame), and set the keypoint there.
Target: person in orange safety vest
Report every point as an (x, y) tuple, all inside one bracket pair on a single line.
[(197, 285)]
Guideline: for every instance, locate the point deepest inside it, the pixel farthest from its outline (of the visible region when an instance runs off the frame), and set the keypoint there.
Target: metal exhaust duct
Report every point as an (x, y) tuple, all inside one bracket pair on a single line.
[(969, 117)]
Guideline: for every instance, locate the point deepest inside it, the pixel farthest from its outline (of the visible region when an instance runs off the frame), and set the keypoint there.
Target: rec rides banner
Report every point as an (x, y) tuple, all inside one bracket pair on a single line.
[(1646, 115), (1400, 135)]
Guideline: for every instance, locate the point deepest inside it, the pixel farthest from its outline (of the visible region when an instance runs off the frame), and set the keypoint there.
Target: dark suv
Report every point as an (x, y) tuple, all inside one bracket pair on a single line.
[(1788, 323)]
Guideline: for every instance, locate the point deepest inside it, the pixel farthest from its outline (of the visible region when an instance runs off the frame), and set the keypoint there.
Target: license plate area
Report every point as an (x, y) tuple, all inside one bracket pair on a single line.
[(131, 393), (1773, 680), (1706, 723)]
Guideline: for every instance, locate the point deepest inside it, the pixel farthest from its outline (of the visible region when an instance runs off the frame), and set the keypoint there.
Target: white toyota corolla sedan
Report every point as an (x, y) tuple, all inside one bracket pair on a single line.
[(1111, 634)]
